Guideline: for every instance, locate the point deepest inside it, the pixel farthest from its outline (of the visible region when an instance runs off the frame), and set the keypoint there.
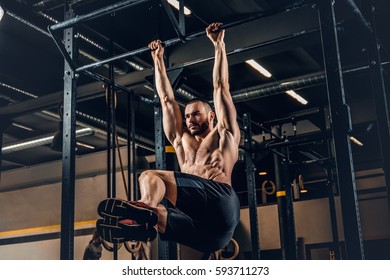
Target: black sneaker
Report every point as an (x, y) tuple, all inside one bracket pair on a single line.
[(125, 230), (121, 209)]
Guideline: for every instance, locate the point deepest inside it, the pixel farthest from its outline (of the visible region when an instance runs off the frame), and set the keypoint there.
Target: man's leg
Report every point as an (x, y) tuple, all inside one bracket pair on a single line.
[(124, 220), (155, 185)]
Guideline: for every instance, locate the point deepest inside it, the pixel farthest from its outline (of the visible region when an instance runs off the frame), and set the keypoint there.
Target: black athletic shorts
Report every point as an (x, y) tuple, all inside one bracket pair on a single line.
[(205, 215)]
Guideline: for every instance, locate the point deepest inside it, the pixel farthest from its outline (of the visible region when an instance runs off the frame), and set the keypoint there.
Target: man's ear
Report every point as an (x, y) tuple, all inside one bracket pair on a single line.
[(212, 116)]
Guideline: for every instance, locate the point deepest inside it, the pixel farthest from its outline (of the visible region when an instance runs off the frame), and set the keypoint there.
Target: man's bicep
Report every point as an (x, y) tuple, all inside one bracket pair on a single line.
[(172, 121), (225, 110)]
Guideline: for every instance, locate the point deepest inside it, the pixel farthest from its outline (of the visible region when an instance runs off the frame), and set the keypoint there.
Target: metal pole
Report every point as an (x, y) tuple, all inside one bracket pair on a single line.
[(97, 13), (284, 201), (355, 9), (178, 26), (163, 248), (379, 93), (332, 211), (251, 186), (133, 157), (341, 125), (1, 149), (281, 205), (68, 148), (130, 164), (291, 242), (101, 78), (112, 127)]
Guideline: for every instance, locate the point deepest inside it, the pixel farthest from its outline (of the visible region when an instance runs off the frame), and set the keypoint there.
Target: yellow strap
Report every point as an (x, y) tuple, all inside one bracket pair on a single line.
[(280, 193), (169, 149)]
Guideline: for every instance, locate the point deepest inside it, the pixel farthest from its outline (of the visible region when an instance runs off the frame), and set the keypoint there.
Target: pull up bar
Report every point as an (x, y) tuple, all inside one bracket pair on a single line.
[(167, 43)]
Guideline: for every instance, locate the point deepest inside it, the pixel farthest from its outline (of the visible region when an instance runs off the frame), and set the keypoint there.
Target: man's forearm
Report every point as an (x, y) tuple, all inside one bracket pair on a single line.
[(220, 71), (163, 85)]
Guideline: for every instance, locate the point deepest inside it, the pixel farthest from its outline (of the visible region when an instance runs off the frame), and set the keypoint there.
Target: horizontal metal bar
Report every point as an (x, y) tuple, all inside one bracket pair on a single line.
[(83, 92), (293, 141), (118, 86), (190, 37), (297, 116), (103, 11)]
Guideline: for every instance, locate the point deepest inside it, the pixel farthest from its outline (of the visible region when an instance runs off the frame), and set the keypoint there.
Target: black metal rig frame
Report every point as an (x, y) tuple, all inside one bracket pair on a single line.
[(339, 110)]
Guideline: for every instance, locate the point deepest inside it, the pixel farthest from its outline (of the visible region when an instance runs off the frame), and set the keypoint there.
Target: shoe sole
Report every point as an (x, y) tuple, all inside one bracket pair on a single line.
[(119, 233), (120, 209)]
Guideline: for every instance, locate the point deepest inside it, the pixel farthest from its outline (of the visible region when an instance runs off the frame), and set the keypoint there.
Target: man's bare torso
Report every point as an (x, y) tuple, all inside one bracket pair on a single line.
[(213, 158)]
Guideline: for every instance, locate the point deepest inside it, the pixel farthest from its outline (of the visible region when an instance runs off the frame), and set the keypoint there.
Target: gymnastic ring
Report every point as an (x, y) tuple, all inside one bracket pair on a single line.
[(133, 250), (109, 248), (300, 182), (272, 185), (236, 250)]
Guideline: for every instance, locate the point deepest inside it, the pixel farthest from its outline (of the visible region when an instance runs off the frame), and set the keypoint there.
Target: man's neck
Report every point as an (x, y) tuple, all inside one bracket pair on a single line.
[(202, 136), (199, 138)]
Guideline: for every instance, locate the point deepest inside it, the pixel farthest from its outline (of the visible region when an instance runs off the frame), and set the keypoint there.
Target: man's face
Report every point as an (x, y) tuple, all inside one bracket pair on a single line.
[(197, 118)]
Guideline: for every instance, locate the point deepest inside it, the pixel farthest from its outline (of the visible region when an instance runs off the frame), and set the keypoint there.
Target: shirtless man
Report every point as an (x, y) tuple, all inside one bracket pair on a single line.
[(203, 209)]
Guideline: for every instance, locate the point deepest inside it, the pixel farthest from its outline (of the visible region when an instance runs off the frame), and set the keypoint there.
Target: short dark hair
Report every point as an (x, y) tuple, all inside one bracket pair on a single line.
[(207, 105)]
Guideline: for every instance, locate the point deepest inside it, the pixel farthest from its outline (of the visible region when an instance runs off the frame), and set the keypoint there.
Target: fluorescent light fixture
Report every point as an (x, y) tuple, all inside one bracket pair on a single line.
[(85, 145), (1, 13), (357, 142), (263, 173), (22, 126), (32, 143), (259, 68), (176, 5), (149, 87), (297, 97)]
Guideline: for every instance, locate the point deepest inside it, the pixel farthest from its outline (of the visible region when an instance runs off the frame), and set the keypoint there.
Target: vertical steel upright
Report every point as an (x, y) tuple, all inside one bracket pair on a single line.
[(341, 125), (69, 145), (1, 148), (165, 250), (133, 150), (332, 212), (379, 91), (132, 190), (251, 186), (284, 198), (291, 252)]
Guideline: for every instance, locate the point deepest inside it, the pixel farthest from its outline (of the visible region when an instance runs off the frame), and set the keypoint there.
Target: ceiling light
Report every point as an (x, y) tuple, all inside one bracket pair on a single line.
[(303, 191), (22, 126), (32, 143), (259, 68), (149, 87), (296, 96), (176, 5), (1, 13), (263, 173), (357, 142), (85, 145)]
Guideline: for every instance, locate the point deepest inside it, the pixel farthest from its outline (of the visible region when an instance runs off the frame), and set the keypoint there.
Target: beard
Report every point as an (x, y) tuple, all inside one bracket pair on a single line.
[(201, 129)]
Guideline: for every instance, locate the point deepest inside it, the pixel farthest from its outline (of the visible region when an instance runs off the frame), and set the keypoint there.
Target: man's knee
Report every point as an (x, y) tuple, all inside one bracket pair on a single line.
[(162, 174), (148, 175)]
